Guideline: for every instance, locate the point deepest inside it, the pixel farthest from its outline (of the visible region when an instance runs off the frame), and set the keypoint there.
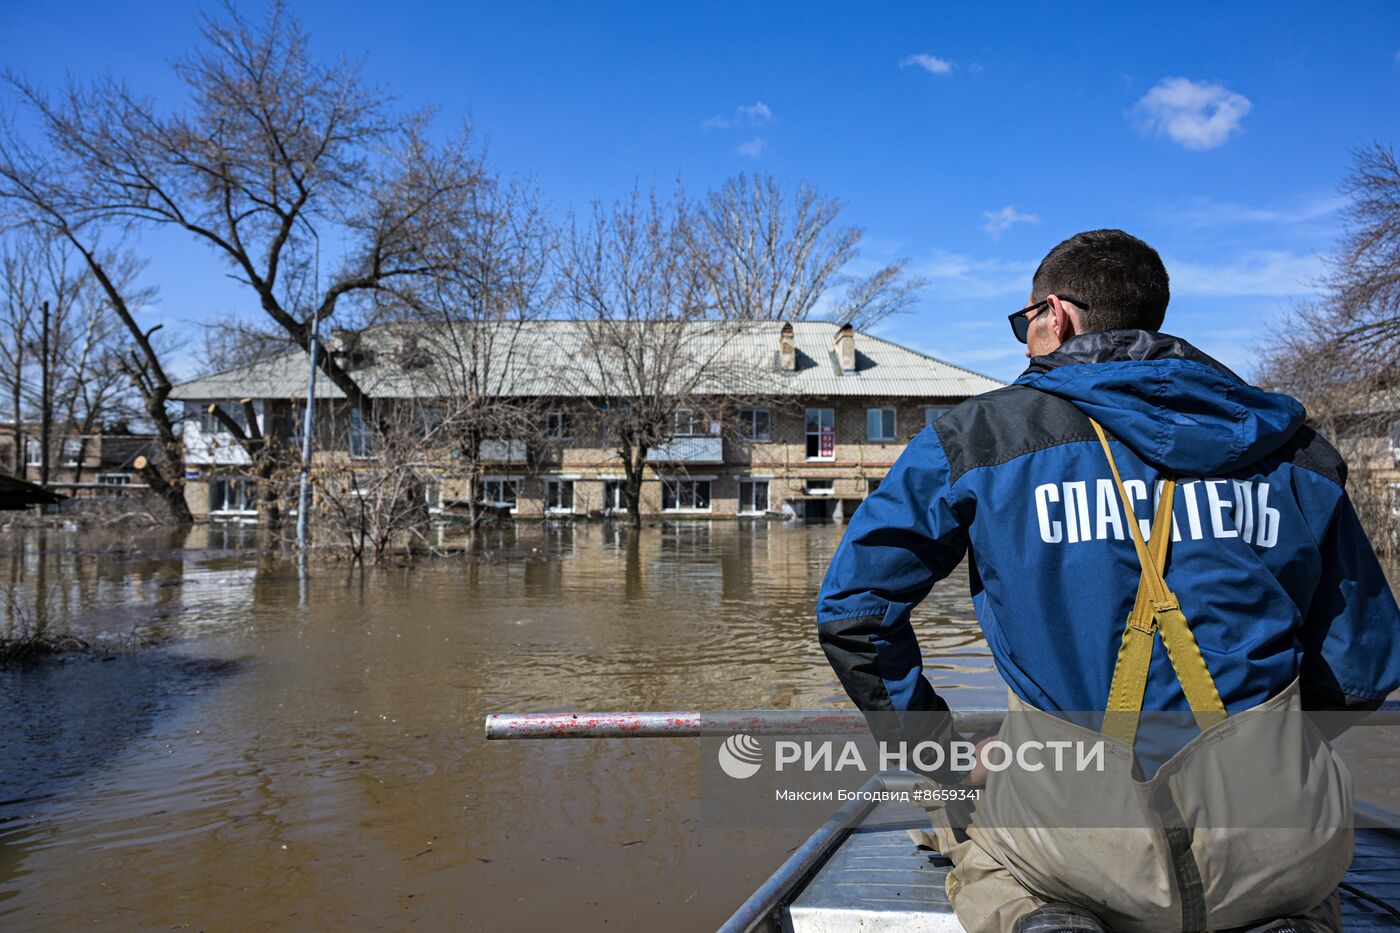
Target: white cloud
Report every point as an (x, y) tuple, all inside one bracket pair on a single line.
[(1193, 113), (956, 276), (930, 63), (1256, 273), (1204, 212), (752, 148), (755, 114), (998, 222)]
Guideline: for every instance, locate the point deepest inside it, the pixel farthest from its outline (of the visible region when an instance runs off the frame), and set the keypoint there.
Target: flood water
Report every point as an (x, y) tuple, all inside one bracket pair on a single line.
[(309, 755)]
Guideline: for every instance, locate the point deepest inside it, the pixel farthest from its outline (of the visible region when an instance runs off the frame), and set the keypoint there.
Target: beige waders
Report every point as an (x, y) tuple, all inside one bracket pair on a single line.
[(1251, 820)]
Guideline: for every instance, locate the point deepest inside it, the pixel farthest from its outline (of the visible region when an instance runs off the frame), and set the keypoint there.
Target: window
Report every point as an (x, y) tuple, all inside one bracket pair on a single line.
[(612, 417), (114, 479), (363, 443), (230, 495), (934, 413), (871, 485), (558, 495), (296, 425), (31, 452), (821, 434), (210, 424), (72, 450), (614, 498), (428, 418), (753, 496), (690, 423), (756, 424), (820, 487), (685, 494), (500, 493), (558, 425), (879, 424)]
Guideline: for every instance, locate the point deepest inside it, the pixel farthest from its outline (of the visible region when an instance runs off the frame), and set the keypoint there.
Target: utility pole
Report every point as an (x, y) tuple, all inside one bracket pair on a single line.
[(46, 398), (308, 423)]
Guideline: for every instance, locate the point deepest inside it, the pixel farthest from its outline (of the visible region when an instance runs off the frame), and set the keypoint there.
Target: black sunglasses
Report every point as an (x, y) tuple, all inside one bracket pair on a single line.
[(1021, 325)]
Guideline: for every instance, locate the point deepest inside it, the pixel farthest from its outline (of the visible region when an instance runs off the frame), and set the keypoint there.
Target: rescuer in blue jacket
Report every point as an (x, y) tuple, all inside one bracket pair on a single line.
[(1268, 558)]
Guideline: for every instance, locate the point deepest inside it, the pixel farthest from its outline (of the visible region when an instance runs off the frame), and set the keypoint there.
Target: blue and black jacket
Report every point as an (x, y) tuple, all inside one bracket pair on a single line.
[(1268, 558)]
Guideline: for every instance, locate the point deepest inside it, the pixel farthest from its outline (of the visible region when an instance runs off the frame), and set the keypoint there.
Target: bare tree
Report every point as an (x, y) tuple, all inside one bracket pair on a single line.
[(270, 145), (474, 335), (776, 254), (644, 347), (81, 354), (56, 322), (45, 190), (1339, 352), (20, 268), (374, 501)]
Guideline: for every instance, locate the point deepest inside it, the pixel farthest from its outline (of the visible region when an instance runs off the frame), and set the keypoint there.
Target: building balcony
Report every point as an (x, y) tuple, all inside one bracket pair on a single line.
[(502, 451), (688, 450)]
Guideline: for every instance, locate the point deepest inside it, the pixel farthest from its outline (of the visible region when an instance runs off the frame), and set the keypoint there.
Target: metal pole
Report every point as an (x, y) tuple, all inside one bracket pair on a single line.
[(765, 722), (720, 723), (303, 492), (764, 903)]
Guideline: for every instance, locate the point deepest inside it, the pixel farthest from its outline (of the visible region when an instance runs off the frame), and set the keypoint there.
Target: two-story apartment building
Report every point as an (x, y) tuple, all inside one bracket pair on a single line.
[(800, 419)]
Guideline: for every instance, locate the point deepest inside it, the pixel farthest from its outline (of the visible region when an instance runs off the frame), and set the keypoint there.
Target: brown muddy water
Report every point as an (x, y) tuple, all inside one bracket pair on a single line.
[(310, 755)]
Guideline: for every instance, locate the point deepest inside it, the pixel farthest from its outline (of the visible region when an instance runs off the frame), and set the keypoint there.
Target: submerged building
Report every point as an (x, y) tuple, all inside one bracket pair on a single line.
[(799, 419)]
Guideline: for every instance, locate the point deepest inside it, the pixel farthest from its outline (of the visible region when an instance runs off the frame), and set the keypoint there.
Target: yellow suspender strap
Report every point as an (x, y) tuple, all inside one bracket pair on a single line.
[(1155, 609)]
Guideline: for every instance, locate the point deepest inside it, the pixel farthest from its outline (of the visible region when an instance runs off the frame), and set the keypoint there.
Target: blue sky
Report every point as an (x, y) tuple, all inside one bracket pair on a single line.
[(969, 138)]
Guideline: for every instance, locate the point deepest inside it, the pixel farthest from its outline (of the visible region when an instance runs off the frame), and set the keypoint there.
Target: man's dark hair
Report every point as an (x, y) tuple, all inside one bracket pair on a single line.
[(1118, 276)]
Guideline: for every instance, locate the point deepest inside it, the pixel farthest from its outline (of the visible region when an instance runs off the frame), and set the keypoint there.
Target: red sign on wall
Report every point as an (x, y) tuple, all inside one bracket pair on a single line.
[(828, 441)]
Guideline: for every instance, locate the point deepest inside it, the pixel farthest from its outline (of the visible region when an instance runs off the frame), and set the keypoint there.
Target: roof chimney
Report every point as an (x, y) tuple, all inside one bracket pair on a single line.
[(846, 348), (787, 349)]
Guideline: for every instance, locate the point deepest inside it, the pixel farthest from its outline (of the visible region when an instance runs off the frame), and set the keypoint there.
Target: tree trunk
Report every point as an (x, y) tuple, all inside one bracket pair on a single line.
[(82, 455), (171, 492), (634, 466)]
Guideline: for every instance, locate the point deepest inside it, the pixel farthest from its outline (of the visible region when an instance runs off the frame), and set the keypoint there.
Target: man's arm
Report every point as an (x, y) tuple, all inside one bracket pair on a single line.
[(1351, 632), (906, 536)]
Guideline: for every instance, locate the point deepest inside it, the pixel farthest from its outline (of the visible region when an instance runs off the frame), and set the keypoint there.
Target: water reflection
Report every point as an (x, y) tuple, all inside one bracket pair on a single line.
[(319, 762)]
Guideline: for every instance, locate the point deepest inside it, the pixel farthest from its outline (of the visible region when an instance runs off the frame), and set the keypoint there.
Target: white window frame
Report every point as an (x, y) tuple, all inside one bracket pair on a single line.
[(753, 481), (559, 482), (688, 422), (830, 489), (692, 483), (933, 412), (79, 452), (888, 417), (558, 424), (33, 452), (618, 486), (499, 500), (244, 485), (821, 416), (748, 424), (362, 432)]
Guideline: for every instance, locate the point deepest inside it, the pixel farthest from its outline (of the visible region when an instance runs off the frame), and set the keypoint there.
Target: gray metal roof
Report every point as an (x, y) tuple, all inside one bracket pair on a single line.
[(564, 358)]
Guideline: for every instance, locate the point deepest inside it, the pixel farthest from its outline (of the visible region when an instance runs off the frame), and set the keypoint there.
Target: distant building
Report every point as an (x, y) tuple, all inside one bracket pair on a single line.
[(801, 419), (98, 463)]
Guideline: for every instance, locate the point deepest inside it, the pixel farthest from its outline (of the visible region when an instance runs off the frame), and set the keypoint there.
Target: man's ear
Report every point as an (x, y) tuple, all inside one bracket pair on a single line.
[(1064, 323)]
